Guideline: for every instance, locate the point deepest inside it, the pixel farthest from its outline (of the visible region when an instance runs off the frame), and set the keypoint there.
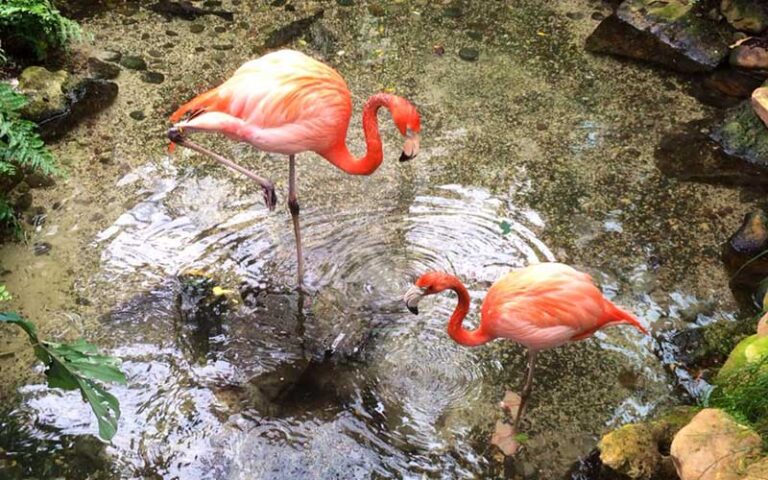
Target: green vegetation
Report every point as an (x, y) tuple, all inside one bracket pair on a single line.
[(20, 147), (37, 24), (743, 393), (76, 366)]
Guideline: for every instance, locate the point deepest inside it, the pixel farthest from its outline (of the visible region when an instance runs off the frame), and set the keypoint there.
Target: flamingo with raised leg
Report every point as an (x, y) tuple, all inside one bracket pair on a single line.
[(286, 102), (541, 306)]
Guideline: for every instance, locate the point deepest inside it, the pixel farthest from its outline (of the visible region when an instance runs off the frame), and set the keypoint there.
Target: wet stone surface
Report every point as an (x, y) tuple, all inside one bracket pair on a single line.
[(537, 151)]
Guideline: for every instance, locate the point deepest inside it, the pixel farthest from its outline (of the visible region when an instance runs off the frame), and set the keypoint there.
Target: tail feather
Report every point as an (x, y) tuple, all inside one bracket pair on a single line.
[(617, 316)]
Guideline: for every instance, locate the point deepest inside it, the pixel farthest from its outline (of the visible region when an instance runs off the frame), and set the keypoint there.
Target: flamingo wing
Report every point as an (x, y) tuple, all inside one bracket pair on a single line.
[(283, 102), (543, 306)]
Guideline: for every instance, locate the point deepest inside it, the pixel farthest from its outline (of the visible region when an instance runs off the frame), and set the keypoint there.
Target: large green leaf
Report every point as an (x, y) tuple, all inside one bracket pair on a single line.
[(78, 365)]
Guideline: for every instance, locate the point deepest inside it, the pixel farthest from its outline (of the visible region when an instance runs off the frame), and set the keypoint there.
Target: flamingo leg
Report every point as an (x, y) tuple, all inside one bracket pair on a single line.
[(293, 206), (270, 198), (526, 388)]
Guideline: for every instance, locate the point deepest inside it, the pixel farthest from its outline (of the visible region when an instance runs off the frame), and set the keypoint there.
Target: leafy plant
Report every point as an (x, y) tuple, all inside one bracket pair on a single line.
[(78, 365), (36, 23), (20, 146)]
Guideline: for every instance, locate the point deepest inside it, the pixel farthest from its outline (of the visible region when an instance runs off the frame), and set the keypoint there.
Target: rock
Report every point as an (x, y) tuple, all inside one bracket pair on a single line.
[(376, 10), (752, 350), (86, 96), (714, 447), (103, 70), (757, 470), (636, 450), (505, 438), (750, 240), (45, 92), (750, 54), (41, 248), (469, 54), (759, 102), (345, 3), (687, 153), (762, 326), (747, 15), (133, 62), (733, 83), (171, 33), (223, 46), (137, 115), (38, 180), (743, 135), (59, 101), (285, 35), (186, 11), (153, 77), (108, 56), (673, 33), (196, 27)]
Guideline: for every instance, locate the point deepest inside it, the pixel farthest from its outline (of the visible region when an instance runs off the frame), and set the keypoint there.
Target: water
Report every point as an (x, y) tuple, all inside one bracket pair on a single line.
[(529, 154)]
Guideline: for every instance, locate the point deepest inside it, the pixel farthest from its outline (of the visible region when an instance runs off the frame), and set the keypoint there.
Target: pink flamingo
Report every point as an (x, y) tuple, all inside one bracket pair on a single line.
[(540, 306), (286, 102)]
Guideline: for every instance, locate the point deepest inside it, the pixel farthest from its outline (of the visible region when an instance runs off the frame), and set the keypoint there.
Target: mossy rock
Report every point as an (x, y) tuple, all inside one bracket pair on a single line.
[(747, 15), (45, 91), (710, 345), (751, 350), (638, 450), (743, 135)]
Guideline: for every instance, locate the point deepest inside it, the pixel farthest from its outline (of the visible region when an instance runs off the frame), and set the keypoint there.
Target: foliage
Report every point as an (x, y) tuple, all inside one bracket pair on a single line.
[(78, 365), (4, 294), (36, 23), (20, 146)]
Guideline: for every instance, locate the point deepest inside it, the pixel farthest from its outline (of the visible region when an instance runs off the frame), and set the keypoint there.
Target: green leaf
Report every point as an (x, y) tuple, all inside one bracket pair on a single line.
[(521, 438), (78, 365), (505, 227)]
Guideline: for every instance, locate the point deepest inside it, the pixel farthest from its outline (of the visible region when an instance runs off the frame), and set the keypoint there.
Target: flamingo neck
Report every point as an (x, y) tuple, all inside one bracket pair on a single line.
[(462, 336), (368, 163)]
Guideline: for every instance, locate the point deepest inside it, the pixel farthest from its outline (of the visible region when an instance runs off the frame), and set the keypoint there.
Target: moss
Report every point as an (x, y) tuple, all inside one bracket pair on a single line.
[(743, 134)]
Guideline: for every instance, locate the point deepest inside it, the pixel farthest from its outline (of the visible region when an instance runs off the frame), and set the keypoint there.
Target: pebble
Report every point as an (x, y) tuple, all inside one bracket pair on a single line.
[(133, 62), (199, 49), (171, 33), (156, 53), (469, 54), (153, 77), (137, 115), (376, 10), (278, 3), (196, 27), (211, 3), (598, 16), (452, 12), (109, 56), (102, 69), (41, 248), (145, 36), (475, 35), (226, 46), (345, 3), (220, 29)]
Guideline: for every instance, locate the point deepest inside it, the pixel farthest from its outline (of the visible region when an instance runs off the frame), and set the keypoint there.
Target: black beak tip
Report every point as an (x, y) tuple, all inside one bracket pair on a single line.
[(404, 157), (413, 310), (174, 135)]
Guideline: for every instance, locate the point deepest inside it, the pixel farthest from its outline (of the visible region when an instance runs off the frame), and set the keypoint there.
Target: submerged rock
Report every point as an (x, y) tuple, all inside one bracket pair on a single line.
[(186, 11), (674, 33), (59, 101), (733, 83), (638, 450), (103, 70), (741, 250), (743, 135), (714, 447), (288, 33), (751, 54), (747, 15)]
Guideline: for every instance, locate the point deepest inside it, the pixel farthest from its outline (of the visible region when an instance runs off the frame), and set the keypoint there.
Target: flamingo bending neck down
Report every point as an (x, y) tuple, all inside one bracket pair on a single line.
[(286, 102), (540, 306)]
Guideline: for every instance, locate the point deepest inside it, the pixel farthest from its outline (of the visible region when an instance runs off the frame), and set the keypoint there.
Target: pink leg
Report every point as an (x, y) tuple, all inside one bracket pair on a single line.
[(526, 388), (270, 198)]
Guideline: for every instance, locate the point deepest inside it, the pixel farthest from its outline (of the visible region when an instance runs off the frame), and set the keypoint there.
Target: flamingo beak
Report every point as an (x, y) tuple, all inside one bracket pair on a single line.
[(412, 298), (411, 147)]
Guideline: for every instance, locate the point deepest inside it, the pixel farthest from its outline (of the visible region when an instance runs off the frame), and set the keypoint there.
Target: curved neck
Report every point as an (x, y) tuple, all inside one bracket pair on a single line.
[(368, 163), (462, 336)]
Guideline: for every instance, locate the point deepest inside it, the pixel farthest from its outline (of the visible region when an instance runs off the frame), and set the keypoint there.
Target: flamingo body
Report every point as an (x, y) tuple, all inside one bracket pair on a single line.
[(545, 305)]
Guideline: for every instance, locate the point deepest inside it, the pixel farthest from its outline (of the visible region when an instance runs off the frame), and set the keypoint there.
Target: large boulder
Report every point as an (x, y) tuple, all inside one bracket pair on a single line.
[(677, 34), (636, 450), (747, 15), (751, 54), (45, 92), (714, 447)]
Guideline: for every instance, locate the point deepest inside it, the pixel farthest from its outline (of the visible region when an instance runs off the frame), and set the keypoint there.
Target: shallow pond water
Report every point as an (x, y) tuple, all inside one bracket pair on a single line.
[(534, 152)]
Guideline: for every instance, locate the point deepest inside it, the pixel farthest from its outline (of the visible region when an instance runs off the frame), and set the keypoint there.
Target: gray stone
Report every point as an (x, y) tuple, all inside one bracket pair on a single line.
[(102, 69), (133, 62), (152, 77), (674, 33)]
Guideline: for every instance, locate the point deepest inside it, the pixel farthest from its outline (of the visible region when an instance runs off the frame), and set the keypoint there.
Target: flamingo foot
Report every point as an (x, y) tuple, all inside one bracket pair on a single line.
[(270, 197)]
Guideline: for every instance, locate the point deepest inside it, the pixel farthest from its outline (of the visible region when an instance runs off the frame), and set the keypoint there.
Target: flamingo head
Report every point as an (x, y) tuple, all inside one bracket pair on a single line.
[(407, 120), (428, 284)]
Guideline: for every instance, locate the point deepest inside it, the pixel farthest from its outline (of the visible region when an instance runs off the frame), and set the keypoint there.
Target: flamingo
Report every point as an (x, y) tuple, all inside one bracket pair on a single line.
[(540, 306), (286, 102)]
